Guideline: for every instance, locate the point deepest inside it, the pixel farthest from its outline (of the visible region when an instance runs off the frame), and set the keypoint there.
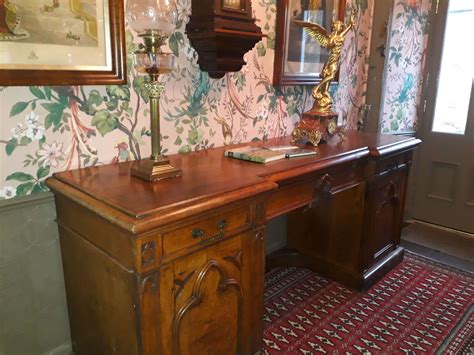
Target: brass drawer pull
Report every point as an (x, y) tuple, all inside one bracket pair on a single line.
[(222, 224), (198, 233)]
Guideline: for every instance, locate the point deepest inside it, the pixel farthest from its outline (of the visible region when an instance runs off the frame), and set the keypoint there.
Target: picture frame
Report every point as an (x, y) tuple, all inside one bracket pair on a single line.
[(77, 45), (298, 58)]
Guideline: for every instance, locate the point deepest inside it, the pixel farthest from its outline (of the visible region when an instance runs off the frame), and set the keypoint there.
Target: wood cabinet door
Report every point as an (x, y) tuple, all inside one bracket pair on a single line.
[(207, 296), (383, 215), (330, 231)]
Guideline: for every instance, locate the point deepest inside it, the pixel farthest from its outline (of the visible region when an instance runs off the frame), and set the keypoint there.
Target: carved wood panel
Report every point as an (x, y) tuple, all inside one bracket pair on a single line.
[(202, 299), (383, 217), (208, 322)]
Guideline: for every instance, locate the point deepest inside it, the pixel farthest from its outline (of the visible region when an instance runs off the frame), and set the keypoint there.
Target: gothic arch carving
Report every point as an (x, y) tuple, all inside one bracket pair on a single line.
[(391, 196), (196, 296)]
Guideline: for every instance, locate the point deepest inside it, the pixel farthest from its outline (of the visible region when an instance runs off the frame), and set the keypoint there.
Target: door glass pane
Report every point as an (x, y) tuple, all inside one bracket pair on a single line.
[(456, 74)]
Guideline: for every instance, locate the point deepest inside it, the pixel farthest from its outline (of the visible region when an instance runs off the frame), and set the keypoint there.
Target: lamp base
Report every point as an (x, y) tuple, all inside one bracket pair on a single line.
[(154, 170), (315, 127)]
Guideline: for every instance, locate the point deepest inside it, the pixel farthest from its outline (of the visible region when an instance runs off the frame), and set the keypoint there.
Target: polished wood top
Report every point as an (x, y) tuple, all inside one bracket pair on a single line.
[(209, 179)]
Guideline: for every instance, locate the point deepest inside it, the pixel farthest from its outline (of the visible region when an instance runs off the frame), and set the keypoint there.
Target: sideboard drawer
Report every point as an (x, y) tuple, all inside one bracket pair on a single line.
[(393, 162), (205, 232), (294, 193)]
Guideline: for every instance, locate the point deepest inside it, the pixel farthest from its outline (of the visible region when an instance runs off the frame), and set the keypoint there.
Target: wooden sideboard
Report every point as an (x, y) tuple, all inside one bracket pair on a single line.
[(177, 266)]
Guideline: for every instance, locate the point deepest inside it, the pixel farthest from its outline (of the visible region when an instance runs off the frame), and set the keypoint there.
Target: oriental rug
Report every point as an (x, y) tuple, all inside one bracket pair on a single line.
[(420, 307)]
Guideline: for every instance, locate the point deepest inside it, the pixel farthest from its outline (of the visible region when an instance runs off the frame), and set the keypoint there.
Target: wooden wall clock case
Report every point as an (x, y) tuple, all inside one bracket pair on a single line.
[(221, 34)]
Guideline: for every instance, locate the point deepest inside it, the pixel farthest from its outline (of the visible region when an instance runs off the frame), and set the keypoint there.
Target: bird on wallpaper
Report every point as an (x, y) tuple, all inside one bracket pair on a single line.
[(197, 99), (202, 88), (406, 88), (66, 91), (123, 153), (195, 96)]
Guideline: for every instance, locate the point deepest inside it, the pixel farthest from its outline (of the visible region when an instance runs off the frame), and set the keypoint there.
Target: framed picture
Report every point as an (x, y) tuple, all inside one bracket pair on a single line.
[(55, 42), (298, 58)]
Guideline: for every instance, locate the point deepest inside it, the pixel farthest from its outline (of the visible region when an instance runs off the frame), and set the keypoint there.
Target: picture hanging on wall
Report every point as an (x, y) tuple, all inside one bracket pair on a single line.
[(61, 42), (298, 59)]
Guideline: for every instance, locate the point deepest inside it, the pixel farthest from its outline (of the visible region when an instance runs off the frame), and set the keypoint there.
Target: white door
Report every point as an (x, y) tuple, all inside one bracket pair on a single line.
[(445, 176)]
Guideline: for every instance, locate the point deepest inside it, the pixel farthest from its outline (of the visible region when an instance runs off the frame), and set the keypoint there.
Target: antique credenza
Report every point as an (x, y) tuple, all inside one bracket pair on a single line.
[(177, 266)]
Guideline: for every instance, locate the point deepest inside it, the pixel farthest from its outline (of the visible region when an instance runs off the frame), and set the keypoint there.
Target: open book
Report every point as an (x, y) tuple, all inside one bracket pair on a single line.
[(268, 154)]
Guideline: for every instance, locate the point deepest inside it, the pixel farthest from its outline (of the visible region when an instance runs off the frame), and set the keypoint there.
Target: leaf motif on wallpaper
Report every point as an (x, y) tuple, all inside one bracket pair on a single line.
[(271, 40), (261, 50), (105, 122), (175, 41), (18, 108), (82, 126), (28, 183), (55, 115), (405, 66)]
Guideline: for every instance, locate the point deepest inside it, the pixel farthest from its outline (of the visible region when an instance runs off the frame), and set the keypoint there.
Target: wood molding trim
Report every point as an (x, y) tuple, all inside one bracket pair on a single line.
[(26, 201)]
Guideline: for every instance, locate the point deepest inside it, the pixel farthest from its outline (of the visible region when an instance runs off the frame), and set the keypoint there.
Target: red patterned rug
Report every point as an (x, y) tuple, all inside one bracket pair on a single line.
[(419, 307)]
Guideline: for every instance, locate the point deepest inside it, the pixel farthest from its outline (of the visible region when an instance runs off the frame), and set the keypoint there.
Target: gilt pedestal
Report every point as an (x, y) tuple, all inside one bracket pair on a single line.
[(315, 127)]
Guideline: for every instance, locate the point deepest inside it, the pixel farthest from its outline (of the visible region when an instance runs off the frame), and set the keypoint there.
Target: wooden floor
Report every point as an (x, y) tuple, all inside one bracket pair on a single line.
[(440, 244)]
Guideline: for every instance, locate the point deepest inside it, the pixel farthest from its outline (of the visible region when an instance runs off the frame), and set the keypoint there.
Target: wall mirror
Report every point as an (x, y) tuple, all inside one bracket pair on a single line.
[(298, 59)]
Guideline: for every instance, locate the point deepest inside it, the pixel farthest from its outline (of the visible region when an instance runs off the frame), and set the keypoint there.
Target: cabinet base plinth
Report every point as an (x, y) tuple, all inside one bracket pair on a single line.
[(360, 281)]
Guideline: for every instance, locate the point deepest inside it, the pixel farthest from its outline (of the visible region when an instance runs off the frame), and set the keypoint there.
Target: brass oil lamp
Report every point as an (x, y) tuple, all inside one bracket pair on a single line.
[(154, 21)]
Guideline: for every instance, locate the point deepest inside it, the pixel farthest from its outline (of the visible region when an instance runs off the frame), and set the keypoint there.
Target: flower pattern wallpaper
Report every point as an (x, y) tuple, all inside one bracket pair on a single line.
[(404, 69), (49, 129)]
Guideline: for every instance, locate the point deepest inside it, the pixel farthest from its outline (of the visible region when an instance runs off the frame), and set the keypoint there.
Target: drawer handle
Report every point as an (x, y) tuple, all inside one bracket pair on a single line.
[(222, 224), (198, 233)]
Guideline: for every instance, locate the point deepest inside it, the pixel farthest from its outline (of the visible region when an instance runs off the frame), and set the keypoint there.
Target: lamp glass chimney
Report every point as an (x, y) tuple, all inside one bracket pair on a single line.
[(152, 15)]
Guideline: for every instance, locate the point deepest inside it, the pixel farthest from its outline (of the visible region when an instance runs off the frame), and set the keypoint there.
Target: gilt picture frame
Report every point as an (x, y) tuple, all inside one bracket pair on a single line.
[(298, 59), (74, 42)]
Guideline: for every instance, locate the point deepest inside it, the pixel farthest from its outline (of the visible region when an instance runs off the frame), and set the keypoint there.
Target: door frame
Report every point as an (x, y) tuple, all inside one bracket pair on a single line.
[(436, 31), (437, 22)]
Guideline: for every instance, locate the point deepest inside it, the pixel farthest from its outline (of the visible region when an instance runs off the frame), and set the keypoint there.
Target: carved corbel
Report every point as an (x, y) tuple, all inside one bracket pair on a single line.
[(235, 259), (322, 188), (147, 253)]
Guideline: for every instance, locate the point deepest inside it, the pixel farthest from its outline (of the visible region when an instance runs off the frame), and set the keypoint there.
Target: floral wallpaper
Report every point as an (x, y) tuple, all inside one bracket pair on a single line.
[(404, 69), (49, 129)]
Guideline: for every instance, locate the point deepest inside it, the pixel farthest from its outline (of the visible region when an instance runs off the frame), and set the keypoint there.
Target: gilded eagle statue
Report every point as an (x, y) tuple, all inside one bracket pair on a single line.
[(334, 42)]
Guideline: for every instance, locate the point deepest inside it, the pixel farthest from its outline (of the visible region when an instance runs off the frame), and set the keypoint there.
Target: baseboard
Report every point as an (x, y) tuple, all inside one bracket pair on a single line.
[(25, 201), (64, 349), (440, 228), (271, 248), (449, 241)]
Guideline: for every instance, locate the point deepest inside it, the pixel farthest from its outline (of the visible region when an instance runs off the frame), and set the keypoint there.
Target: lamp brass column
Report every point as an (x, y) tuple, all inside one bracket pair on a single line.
[(157, 167)]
